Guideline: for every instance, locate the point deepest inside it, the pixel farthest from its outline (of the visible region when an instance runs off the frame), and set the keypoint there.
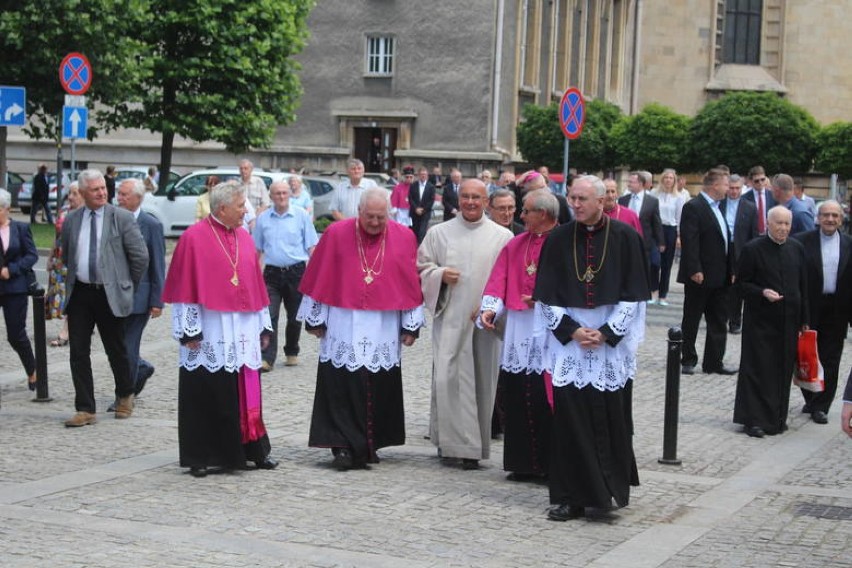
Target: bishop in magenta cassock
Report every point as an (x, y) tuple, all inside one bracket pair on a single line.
[(220, 317), (361, 296), (526, 392)]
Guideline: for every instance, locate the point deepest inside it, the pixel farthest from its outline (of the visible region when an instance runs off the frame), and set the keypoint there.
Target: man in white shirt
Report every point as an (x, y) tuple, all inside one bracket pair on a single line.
[(344, 204), (257, 193)]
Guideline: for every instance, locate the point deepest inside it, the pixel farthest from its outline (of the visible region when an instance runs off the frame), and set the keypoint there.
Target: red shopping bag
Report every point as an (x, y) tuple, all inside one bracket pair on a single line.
[(809, 373)]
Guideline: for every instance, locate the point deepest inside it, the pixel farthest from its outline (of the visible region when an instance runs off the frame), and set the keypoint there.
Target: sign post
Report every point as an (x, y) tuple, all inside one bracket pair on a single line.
[(572, 117), (75, 75)]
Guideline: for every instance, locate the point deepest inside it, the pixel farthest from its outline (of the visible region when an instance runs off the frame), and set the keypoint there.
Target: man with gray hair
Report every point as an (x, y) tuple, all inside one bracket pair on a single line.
[(344, 203), (256, 192), (501, 210), (361, 297), (106, 258), (592, 286), (782, 191), (221, 320), (146, 300)]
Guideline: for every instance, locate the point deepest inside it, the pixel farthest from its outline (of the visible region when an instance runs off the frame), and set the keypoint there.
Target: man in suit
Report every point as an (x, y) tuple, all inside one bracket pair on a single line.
[(741, 218), (829, 279), (421, 197), (40, 195), (705, 271), (761, 196), (782, 191), (106, 257), (450, 195), (648, 208), (147, 302)]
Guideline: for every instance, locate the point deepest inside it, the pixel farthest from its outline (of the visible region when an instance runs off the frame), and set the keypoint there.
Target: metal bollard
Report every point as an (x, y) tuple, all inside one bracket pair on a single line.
[(40, 339), (672, 398)]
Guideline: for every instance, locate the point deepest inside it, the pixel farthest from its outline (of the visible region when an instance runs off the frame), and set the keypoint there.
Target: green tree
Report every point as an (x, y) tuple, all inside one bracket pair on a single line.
[(36, 34), (541, 141), (835, 150), (654, 139), (741, 130), (218, 70)]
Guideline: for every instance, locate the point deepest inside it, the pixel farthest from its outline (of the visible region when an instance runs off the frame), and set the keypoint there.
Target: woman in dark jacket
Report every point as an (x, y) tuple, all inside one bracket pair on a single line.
[(18, 254)]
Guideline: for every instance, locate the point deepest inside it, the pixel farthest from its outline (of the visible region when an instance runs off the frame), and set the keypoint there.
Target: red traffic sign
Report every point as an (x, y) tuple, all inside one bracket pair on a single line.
[(572, 113), (75, 74)]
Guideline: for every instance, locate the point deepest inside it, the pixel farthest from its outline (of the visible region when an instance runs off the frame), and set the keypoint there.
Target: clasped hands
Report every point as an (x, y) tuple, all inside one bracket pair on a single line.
[(588, 337)]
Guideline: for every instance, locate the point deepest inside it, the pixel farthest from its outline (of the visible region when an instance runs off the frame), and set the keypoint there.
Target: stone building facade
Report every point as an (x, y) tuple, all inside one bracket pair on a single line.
[(443, 82)]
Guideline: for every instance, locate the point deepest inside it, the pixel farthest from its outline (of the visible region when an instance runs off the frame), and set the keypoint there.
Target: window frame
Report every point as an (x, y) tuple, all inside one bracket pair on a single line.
[(383, 56)]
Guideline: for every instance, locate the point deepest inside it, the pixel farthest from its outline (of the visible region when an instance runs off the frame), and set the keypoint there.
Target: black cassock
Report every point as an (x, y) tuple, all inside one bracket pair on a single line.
[(592, 460), (770, 331)]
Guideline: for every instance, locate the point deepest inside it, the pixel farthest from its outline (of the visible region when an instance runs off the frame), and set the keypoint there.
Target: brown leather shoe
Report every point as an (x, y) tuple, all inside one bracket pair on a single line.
[(292, 361), (81, 419), (124, 407)]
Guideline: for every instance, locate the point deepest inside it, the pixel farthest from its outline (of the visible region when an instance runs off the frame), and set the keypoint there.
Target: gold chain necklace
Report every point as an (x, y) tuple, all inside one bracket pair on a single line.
[(370, 271), (235, 280), (530, 267), (590, 272)]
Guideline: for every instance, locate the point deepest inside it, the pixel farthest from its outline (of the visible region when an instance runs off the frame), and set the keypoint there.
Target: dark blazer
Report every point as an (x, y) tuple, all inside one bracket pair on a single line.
[(122, 257), (745, 225), (149, 291), (449, 200), (415, 201), (20, 256), (702, 245), (813, 258), (649, 217), (41, 189), (768, 198)]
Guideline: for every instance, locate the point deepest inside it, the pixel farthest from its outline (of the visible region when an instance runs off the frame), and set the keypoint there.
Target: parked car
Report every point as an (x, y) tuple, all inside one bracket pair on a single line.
[(25, 195), (12, 184), (139, 172), (322, 191), (174, 206)]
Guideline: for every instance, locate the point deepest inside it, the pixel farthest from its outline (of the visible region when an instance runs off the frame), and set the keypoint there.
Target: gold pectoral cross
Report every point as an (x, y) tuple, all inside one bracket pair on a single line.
[(235, 280), (531, 269)]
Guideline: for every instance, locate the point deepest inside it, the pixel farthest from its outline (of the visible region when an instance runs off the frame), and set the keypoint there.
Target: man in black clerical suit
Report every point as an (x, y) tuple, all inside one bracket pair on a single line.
[(706, 270), (421, 197), (829, 273)]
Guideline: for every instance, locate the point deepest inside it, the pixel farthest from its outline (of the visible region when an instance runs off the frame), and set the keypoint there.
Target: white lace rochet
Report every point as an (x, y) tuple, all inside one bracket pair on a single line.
[(231, 339), (360, 338), (606, 368), (524, 339)]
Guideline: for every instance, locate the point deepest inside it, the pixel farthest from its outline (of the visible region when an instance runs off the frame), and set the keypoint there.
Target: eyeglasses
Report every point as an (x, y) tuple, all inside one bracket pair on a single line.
[(526, 211), (505, 209)]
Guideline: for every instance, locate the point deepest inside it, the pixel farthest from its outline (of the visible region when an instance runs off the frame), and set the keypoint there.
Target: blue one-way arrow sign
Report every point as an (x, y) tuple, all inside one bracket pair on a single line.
[(13, 102), (75, 122)]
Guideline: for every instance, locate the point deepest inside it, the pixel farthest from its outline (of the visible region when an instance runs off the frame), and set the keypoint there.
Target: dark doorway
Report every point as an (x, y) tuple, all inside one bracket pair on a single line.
[(375, 147)]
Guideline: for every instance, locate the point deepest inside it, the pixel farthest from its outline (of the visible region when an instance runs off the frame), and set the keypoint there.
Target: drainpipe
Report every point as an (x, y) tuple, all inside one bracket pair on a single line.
[(498, 64), (634, 83)]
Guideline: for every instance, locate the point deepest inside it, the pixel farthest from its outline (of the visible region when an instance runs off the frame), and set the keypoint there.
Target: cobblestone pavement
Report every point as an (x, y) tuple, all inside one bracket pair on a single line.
[(113, 493)]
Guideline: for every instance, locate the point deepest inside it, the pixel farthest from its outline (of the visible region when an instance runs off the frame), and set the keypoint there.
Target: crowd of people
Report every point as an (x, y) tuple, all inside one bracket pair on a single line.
[(537, 295)]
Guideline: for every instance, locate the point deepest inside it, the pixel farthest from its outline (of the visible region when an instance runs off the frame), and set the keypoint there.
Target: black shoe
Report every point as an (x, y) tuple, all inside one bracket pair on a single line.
[(819, 417), (342, 459), (142, 379), (470, 464), (806, 409), (198, 471), (111, 407), (267, 463), (735, 329), (687, 370), (754, 431), (723, 370), (566, 513)]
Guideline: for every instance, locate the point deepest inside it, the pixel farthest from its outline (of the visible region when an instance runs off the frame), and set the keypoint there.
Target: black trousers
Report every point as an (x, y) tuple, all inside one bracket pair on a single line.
[(735, 308), (87, 308), (282, 285), (831, 334), (712, 304), (15, 314)]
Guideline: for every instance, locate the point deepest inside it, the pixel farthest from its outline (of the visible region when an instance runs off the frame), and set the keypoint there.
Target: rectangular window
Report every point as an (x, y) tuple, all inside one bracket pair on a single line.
[(380, 56), (742, 31)]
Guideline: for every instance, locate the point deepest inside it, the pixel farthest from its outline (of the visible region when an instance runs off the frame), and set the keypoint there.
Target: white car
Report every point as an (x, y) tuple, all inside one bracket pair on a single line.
[(174, 207)]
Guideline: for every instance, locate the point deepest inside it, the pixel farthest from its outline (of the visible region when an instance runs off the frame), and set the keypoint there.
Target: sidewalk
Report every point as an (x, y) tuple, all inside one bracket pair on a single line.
[(113, 494)]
